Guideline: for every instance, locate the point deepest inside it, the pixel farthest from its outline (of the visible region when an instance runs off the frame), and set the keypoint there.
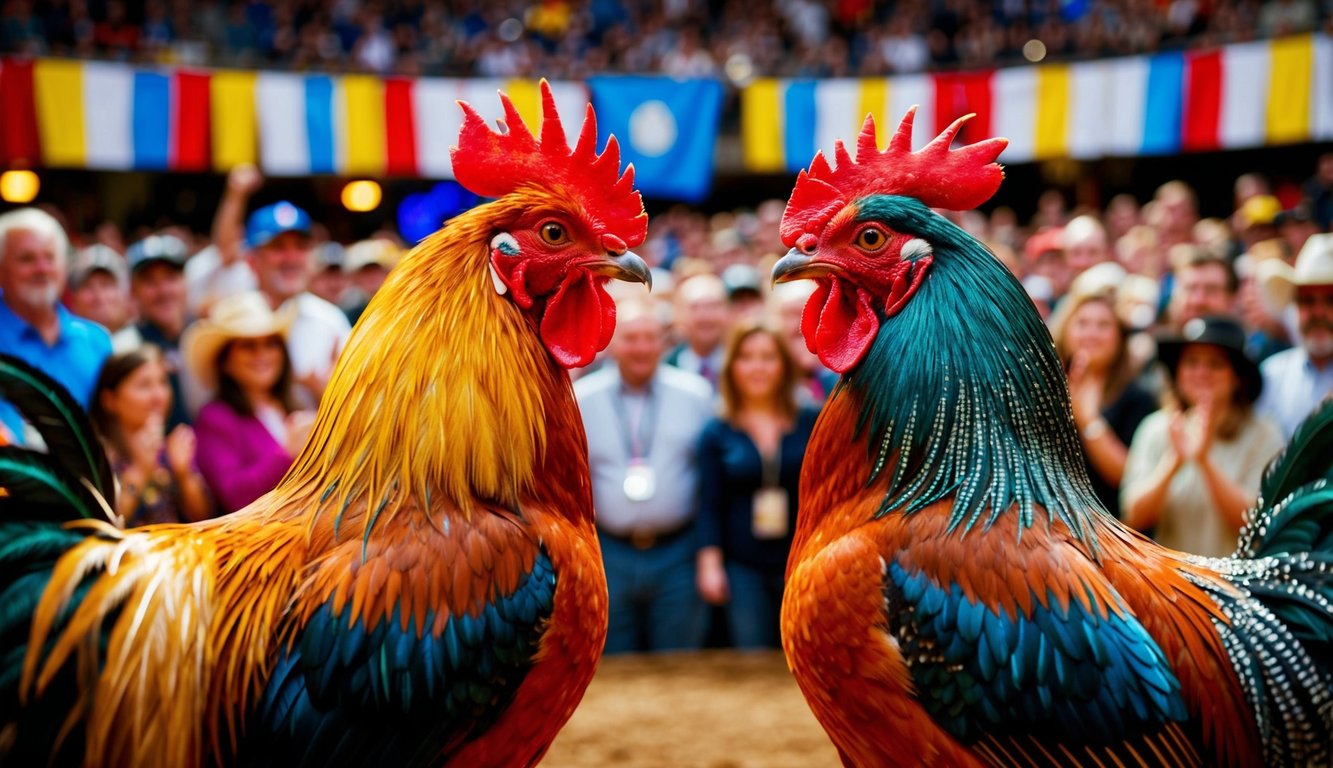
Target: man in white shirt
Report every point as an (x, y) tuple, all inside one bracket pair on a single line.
[(1297, 380)]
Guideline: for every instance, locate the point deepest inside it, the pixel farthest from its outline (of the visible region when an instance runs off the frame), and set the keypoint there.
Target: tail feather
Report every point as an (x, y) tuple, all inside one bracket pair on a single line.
[(72, 478), (61, 422), (39, 488), (1279, 633), (1294, 513)]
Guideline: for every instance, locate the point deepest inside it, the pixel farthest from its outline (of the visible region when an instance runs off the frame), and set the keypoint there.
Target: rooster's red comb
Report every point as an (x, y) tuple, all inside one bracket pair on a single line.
[(492, 164), (958, 179)]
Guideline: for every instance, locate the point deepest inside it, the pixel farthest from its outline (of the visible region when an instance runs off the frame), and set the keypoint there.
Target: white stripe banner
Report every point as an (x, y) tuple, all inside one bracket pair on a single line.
[(1014, 112), (837, 103), (1127, 84), (108, 113), (284, 140), (1244, 91), (1089, 109), (904, 91)]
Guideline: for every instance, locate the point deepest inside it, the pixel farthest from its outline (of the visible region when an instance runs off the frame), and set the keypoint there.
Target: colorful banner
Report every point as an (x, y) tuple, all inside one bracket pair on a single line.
[(102, 115), (1240, 96), (110, 116)]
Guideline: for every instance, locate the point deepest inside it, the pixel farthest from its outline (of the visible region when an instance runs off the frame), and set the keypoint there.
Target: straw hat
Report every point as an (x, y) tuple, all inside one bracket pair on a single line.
[(1278, 280), (240, 316)]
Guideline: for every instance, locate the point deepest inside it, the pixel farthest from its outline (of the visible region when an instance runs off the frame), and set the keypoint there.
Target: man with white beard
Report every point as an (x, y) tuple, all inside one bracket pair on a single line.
[(1295, 381), (34, 326)]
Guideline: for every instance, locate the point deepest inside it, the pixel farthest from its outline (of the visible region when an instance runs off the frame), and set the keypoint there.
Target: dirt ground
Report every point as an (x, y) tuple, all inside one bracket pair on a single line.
[(716, 709)]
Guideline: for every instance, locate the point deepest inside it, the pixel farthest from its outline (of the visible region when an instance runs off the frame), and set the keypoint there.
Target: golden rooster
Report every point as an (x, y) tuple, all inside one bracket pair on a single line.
[(424, 587)]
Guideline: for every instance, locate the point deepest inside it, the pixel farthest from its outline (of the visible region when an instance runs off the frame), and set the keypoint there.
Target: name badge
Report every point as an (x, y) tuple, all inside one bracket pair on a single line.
[(640, 483), (769, 520)]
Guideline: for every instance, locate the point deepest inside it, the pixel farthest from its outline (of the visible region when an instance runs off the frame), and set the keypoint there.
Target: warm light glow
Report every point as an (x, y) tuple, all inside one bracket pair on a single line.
[(19, 186), (361, 196)]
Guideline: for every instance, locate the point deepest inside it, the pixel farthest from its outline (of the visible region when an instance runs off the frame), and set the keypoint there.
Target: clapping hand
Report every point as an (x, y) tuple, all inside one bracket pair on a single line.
[(180, 450), (1192, 431)]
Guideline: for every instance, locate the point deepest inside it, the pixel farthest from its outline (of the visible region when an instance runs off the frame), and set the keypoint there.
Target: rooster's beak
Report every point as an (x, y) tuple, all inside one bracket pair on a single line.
[(795, 266), (626, 266)]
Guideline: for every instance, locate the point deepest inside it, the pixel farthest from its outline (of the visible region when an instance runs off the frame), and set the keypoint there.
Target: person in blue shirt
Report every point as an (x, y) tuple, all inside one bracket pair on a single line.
[(34, 326), (749, 464)]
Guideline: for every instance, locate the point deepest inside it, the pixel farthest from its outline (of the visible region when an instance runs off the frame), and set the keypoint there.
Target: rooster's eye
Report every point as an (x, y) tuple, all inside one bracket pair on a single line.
[(871, 239), (554, 233)]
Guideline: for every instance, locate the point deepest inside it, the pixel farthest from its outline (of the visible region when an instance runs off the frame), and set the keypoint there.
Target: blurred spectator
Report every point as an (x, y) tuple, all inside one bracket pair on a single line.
[(34, 325), (1318, 191), (329, 281), (1093, 345), (749, 464), (249, 435), (1295, 226), (366, 265), (157, 286), (1048, 273), (159, 482), (745, 298), (1122, 215), (1256, 219), (1205, 284), (701, 319), (643, 422), (1194, 467), (97, 288), (278, 238), (1173, 213), (1265, 332), (1297, 380), (1085, 244), (1138, 252)]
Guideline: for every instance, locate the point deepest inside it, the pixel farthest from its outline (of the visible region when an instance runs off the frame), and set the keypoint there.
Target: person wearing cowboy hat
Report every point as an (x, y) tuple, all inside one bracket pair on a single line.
[(1194, 467), (249, 433), (1297, 380)]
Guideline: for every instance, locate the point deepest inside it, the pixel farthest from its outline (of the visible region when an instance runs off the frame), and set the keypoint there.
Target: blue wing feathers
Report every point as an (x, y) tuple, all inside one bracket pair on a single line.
[(1057, 673), (352, 691)]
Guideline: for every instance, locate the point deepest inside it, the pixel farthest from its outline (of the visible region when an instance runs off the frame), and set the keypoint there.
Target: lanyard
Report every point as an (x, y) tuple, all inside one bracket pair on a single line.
[(772, 466), (637, 428)]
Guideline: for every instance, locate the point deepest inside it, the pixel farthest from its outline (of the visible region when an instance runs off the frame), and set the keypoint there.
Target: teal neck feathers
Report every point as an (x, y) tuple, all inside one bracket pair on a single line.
[(963, 393)]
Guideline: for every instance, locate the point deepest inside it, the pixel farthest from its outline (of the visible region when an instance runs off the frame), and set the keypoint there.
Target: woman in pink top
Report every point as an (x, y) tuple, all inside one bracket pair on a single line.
[(250, 432)]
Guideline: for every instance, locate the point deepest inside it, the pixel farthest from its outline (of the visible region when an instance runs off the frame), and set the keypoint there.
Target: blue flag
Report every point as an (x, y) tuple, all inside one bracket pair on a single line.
[(666, 127)]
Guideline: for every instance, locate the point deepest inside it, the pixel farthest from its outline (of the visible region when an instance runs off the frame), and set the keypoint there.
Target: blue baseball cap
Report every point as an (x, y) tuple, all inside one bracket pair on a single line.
[(272, 220)]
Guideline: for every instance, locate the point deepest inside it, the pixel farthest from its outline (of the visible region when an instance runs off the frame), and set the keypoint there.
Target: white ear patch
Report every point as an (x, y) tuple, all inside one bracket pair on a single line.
[(499, 284), (505, 243), (914, 249), (508, 246)]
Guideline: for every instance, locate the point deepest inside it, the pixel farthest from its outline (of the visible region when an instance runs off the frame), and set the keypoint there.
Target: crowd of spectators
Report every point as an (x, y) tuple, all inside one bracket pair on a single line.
[(1193, 345), (686, 38)]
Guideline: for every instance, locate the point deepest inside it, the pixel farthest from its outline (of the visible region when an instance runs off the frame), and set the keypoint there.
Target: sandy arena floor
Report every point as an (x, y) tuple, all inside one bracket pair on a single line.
[(716, 709)]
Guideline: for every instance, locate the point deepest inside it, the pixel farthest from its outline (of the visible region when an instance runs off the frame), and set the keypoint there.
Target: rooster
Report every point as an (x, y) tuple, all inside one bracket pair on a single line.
[(424, 587), (955, 593)]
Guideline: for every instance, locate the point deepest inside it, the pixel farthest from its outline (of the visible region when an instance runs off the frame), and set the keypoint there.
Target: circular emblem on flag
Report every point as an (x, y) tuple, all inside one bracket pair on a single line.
[(285, 215), (652, 128)]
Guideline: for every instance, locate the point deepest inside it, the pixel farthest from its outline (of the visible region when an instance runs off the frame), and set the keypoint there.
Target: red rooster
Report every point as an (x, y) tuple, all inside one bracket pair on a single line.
[(955, 594), (424, 587)]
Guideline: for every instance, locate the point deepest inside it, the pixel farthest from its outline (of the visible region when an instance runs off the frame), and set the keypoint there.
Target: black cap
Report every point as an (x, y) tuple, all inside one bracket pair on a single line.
[(167, 249)]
